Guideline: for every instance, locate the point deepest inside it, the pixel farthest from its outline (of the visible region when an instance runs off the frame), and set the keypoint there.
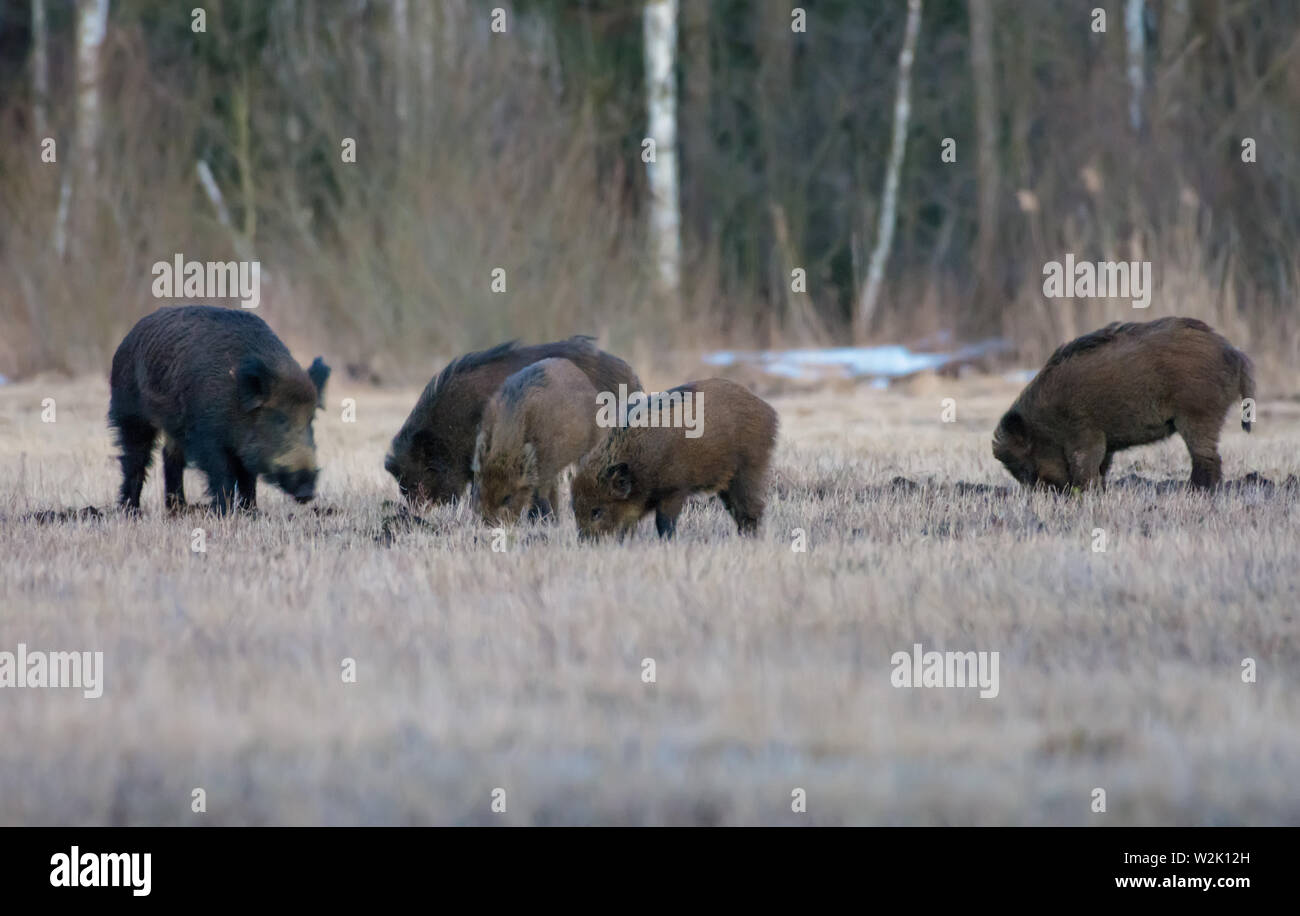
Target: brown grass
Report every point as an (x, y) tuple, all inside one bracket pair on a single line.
[(522, 669)]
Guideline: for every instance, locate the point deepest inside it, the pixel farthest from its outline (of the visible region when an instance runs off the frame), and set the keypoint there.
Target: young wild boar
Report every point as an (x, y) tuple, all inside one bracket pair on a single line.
[(1125, 385), (639, 469), (542, 420), (431, 455), (228, 398)]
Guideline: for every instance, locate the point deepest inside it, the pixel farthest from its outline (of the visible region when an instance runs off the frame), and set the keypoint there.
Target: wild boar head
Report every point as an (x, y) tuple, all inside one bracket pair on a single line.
[(1032, 460), (605, 499), (276, 439), (426, 467), (504, 479)]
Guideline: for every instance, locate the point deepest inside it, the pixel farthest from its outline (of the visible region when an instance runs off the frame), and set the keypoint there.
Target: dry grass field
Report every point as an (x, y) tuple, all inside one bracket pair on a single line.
[(523, 669)]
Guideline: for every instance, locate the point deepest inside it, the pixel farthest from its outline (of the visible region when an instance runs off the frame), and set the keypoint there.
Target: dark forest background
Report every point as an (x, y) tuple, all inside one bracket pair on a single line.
[(522, 150)]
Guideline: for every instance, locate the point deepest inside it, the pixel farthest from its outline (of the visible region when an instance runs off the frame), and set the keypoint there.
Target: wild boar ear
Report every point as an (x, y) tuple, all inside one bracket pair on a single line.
[(253, 383), (1013, 426), (620, 480), (319, 373)]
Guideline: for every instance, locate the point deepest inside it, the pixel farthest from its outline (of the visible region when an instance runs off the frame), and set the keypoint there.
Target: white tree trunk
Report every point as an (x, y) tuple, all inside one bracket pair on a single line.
[(1135, 32), (92, 23), (40, 69), (661, 89), (243, 249), (61, 217), (889, 200)]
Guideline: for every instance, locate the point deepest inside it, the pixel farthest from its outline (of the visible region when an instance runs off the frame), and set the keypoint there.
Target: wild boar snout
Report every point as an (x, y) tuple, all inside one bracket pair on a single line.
[(301, 485)]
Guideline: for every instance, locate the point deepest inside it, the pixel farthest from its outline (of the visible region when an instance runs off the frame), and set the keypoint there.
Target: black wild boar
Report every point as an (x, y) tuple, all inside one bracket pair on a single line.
[(431, 455), (638, 469), (228, 398), (1125, 385), (542, 420)]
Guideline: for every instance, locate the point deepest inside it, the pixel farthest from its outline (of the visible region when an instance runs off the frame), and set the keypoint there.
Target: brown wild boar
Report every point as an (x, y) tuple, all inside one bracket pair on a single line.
[(432, 453), (228, 398), (638, 469), (542, 420), (1125, 385)]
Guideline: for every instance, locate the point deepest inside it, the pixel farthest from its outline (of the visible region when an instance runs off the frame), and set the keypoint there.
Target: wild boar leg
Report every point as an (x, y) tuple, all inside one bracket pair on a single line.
[(745, 506), (666, 514), (136, 437), (545, 499), (173, 475), (220, 469), (245, 485), (1085, 463), (1202, 442), (1105, 466), (552, 500)]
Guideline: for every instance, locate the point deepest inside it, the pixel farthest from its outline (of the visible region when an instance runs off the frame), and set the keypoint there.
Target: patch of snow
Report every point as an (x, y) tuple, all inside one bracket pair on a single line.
[(1020, 376), (884, 362)]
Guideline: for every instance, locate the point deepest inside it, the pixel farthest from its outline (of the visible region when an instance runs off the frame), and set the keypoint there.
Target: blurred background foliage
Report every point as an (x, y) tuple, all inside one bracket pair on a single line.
[(521, 150)]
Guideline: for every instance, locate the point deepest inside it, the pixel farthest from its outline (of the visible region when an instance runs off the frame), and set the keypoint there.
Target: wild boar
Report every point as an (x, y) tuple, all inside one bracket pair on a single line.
[(431, 455), (542, 420), (228, 398), (1125, 385), (638, 469)]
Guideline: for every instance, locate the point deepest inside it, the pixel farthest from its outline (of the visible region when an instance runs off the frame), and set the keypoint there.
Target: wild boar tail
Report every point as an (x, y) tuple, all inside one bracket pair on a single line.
[(1246, 384)]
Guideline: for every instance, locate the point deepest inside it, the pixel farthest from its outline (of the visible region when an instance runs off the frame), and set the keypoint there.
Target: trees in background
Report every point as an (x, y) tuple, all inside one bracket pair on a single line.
[(893, 167), (40, 69), (661, 108), (81, 179), (988, 170), (1168, 135)]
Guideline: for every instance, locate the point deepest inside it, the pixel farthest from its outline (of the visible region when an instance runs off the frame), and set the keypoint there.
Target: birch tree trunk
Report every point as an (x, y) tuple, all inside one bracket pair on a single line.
[(889, 199), (989, 177), (40, 70), (79, 180), (1136, 35), (92, 23), (661, 90)]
